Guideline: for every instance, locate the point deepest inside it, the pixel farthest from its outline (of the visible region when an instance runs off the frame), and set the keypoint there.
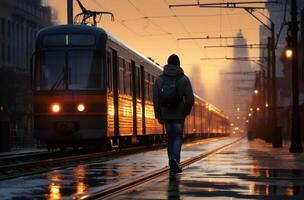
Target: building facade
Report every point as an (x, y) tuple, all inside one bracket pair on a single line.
[(19, 23), (283, 66)]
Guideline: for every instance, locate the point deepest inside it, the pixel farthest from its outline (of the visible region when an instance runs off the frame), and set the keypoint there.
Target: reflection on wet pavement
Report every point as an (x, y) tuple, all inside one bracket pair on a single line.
[(246, 171), (84, 179)]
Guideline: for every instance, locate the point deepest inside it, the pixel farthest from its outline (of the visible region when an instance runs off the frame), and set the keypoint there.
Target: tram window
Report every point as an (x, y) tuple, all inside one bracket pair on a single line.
[(127, 78), (69, 40), (131, 78), (124, 76), (54, 40), (151, 87), (147, 88), (138, 85), (50, 74), (121, 77), (109, 71), (81, 40), (84, 70)]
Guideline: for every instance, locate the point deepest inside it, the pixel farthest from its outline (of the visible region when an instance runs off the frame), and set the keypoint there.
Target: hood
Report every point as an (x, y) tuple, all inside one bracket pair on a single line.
[(172, 70)]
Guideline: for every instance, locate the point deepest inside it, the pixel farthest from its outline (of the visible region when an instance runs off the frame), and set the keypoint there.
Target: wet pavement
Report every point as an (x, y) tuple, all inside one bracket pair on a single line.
[(247, 170), (84, 179)]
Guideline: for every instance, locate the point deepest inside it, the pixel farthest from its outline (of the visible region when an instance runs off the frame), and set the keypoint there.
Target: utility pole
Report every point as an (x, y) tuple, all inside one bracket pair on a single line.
[(70, 11), (296, 146), (276, 134), (268, 107)]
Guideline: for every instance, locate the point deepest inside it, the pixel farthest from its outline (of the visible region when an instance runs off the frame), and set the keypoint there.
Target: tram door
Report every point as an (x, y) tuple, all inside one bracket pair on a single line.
[(115, 95), (142, 83), (134, 97)]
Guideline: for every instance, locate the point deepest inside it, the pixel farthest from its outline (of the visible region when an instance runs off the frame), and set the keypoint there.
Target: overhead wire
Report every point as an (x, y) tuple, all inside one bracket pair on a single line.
[(282, 24), (145, 17), (184, 27), (118, 19), (189, 16)]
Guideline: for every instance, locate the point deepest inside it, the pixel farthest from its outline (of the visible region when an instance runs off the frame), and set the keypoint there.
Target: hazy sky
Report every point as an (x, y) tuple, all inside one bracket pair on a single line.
[(152, 28)]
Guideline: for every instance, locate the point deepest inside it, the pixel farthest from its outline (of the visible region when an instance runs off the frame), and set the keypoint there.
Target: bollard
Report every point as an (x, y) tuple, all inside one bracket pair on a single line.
[(4, 136), (249, 135), (279, 131)]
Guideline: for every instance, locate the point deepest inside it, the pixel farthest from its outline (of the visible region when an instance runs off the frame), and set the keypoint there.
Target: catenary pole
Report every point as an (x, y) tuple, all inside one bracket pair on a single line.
[(296, 145), (70, 11)]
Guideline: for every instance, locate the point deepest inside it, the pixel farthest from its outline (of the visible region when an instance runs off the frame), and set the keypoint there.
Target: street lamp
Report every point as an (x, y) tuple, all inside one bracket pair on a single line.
[(288, 53), (256, 91)]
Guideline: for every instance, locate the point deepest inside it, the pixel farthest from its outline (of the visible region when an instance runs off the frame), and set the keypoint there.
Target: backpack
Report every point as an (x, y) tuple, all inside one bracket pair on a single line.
[(169, 94)]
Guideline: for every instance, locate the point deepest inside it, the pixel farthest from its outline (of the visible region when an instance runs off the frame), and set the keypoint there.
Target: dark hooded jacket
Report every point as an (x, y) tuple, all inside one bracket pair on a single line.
[(184, 87)]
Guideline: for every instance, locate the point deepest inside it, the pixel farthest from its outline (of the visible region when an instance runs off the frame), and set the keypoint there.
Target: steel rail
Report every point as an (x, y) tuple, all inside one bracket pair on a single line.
[(34, 167), (129, 185), (29, 168)]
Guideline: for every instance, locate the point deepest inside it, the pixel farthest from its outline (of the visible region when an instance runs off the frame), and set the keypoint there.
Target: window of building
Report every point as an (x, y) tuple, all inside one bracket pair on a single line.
[(2, 27)]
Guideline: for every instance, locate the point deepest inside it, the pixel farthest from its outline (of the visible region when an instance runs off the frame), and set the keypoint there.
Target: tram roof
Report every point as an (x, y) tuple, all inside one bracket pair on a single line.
[(71, 28)]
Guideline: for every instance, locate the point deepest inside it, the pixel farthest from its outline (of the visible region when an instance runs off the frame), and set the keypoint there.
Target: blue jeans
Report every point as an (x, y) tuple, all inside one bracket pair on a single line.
[(174, 131)]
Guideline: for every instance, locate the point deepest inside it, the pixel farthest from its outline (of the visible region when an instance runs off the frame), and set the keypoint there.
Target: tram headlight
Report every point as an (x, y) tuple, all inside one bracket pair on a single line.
[(55, 108), (80, 107)]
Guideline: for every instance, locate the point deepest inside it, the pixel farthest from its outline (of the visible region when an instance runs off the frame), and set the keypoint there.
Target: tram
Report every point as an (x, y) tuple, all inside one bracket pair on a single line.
[(89, 88)]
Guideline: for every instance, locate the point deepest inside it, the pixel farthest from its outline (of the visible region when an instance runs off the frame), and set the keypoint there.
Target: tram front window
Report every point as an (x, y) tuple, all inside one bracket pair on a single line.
[(75, 70), (84, 70), (50, 71)]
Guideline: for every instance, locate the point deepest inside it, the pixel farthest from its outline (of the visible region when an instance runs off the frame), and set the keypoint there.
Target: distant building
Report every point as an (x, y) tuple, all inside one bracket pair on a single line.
[(196, 81), (276, 14), (19, 22), (284, 69), (238, 84)]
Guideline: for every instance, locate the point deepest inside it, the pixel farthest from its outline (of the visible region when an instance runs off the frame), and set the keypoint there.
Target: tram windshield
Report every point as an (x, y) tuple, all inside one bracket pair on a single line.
[(74, 70)]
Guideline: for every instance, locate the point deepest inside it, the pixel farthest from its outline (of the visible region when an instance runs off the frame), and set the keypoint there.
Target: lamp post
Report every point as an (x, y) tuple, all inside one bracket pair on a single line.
[(296, 145), (276, 135)]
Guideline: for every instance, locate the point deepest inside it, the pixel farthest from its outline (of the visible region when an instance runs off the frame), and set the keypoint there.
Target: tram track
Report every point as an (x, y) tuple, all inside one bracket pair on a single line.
[(113, 192), (15, 170), (27, 157)]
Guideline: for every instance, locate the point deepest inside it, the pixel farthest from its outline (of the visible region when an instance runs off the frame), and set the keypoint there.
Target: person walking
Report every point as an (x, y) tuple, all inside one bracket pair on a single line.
[(173, 100)]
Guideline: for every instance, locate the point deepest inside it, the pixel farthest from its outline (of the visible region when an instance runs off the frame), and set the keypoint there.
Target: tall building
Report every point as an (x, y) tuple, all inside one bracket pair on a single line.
[(19, 22), (238, 84)]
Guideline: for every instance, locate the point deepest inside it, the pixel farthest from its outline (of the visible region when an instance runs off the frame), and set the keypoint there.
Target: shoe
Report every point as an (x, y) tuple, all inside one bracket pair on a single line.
[(174, 166)]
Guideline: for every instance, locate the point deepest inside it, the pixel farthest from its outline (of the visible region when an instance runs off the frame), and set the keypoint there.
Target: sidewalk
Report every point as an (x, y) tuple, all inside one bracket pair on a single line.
[(247, 170)]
